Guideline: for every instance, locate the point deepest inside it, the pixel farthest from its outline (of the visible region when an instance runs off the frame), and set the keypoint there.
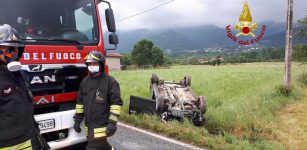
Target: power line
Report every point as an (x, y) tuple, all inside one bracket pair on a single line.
[(140, 13)]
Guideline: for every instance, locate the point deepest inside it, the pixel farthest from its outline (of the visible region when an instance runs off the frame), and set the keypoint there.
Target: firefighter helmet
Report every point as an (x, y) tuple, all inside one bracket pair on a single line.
[(10, 37), (95, 56)]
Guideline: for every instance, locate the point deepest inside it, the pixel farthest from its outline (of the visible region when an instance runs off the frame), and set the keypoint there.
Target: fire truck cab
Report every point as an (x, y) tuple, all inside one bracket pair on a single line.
[(58, 34)]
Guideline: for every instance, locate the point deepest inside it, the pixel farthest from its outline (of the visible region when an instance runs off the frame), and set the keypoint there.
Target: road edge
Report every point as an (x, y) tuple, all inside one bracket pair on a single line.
[(160, 136)]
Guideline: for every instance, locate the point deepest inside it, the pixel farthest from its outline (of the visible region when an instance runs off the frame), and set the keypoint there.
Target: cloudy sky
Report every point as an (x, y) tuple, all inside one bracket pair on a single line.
[(182, 13)]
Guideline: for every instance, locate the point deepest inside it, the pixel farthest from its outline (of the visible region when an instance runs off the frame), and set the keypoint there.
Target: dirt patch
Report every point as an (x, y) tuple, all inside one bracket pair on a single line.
[(291, 125)]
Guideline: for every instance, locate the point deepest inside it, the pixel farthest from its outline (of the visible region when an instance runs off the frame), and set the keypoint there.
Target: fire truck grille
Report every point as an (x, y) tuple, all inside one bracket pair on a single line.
[(55, 81), (46, 89)]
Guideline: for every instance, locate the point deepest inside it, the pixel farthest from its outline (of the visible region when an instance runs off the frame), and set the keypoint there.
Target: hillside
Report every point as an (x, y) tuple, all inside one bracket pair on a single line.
[(200, 37)]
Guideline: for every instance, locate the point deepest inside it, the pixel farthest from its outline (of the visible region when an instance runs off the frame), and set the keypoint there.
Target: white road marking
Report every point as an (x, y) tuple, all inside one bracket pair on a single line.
[(160, 137)]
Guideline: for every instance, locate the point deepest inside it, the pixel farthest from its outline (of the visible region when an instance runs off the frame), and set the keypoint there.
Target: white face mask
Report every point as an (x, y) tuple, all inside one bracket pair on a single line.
[(14, 66), (93, 69)]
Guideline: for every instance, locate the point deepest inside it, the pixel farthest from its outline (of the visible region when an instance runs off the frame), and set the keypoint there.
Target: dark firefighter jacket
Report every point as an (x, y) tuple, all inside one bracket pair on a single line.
[(99, 102), (17, 122)]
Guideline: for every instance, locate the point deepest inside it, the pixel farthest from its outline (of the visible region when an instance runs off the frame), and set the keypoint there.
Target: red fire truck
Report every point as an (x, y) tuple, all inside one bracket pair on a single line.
[(58, 34)]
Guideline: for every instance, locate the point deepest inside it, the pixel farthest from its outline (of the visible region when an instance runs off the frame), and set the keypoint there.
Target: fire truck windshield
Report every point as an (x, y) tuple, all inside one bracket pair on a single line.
[(52, 19)]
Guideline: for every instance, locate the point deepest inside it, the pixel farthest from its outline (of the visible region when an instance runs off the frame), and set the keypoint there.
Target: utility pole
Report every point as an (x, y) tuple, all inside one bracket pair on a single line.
[(288, 46)]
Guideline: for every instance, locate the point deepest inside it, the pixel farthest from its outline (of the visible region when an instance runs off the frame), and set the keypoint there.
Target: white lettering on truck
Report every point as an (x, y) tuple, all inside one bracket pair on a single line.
[(43, 56), (65, 56), (35, 56), (26, 56), (78, 56), (51, 55), (47, 79), (58, 56), (72, 56), (44, 100)]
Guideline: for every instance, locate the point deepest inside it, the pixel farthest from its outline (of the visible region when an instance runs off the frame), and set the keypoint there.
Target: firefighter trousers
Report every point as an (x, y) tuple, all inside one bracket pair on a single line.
[(99, 144), (22, 146)]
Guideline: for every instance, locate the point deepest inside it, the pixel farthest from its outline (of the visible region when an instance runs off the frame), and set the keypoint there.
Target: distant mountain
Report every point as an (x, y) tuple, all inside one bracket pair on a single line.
[(176, 39), (200, 37), (273, 27), (278, 39)]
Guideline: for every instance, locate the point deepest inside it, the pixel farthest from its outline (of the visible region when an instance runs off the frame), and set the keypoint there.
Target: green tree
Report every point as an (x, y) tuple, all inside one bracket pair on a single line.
[(141, 53), (303, 27), (251, 55), (277, 53), (145, 53), (167, 61), (157, 56), (219, 60), (192, 60), (126, 60), (242, 59), (300, 53)]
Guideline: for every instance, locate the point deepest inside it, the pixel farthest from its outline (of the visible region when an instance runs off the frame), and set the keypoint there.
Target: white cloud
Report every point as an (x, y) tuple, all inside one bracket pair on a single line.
[(181, 13)]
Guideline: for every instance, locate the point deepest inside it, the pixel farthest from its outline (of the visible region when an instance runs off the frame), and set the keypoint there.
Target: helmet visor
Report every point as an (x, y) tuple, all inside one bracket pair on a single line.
[(12, 43)]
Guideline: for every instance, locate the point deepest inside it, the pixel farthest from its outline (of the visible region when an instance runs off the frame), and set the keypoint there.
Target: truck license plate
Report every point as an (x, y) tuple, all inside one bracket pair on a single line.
[(46, 124)]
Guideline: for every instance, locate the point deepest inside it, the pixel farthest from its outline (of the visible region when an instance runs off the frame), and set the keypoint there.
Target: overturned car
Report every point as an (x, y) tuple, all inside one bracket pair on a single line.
[(171, 100)]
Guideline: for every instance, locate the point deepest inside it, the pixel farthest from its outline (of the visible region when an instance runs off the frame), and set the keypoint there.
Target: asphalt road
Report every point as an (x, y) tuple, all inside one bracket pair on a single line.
[(130, 138)]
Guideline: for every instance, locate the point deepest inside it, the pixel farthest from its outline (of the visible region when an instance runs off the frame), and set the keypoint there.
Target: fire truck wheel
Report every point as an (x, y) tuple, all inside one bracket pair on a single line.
[(202, 104), (154, 79)]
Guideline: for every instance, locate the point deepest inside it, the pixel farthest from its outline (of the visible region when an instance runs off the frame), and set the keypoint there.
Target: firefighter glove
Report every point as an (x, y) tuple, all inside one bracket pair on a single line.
[(77, 126), (111, 129)]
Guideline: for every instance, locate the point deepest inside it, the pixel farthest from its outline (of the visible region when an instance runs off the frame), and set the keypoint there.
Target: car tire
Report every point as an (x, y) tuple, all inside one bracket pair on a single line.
[(187, 80), (202, 104), (154, 79)]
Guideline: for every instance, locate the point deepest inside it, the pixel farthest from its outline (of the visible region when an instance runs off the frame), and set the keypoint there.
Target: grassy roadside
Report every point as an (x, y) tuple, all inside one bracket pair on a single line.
[(290, 125), (241, 99)]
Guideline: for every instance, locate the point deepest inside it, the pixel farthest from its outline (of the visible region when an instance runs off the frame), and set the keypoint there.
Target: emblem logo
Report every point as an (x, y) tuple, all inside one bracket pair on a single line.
[(35, 67), (245, 27), (7, 91), (98, 97)]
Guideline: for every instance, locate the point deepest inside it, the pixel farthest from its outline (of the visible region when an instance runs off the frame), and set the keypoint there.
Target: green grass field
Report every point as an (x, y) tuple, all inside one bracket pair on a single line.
[(242, 99)]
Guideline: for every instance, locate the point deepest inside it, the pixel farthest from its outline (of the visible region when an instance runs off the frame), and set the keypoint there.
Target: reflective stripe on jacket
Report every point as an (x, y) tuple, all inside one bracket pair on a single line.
[(22, 146)]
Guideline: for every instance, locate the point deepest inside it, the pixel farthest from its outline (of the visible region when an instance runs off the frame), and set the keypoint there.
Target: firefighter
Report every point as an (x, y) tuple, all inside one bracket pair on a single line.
[(18, 129), (99, 102)]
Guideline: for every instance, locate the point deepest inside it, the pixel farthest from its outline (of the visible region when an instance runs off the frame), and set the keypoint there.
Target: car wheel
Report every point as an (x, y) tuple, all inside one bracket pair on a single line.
[(202, 104), (187, 80), (154, 79)]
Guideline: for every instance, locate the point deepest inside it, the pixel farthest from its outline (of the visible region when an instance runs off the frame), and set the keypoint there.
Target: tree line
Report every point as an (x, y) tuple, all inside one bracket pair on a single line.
[(264, 55), (146, 54)]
